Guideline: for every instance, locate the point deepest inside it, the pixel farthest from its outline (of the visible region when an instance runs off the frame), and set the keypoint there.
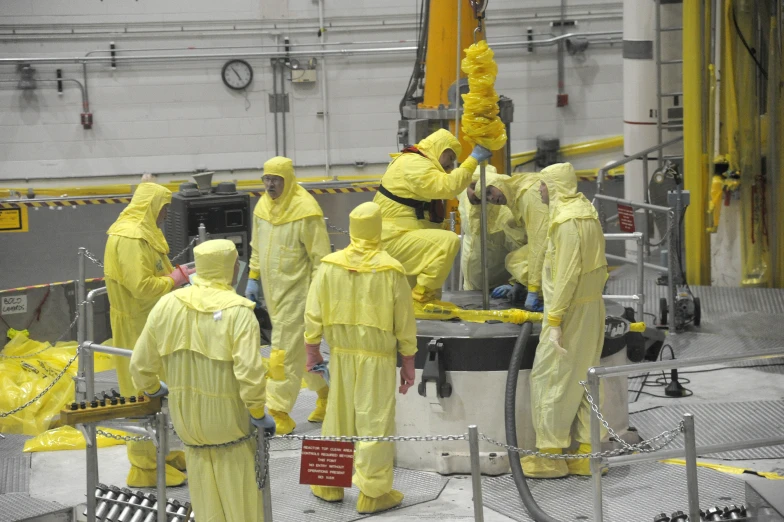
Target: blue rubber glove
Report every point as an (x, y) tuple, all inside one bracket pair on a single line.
[(252, 290), (266, 423), (501, 291), (530, 301), (480, 153), (163, 391)]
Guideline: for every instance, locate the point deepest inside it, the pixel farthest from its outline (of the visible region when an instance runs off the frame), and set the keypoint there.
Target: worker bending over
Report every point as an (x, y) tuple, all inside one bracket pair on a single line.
[(416, 176), (520, 194), (203, 341), (138, 273), (360, 302), (575, 271), (503, 236), (289, 240)]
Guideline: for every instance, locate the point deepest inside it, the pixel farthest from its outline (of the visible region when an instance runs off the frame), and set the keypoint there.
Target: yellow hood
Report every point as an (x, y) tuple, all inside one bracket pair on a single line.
[(514, 187), (565, 202), (294, 204), (139, 219), (435, 145), (364, 254), (212, 290)]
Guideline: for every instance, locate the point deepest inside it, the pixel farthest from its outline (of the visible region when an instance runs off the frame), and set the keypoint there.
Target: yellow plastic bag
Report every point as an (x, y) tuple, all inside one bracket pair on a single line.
[(22, 379), (68, 438), (481, 124)]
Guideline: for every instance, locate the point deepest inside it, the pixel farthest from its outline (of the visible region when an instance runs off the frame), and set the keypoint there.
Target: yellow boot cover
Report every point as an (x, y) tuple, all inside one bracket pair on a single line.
[(367, 505), (544, 468), (327, 493), (283, 422), (176, 459), (582, 467), (147, 478), (320, 412)]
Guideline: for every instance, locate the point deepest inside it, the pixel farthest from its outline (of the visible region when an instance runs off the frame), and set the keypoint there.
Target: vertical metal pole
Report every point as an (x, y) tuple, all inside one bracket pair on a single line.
[(476, 473), (283, 103), (774, 158), (202, 233), (596, 444), (324, 98), (274, 63), (672, 225), (89, 355), (561, 52), (646, 198), (691, 466), (641, 279), (160, 433), (91, 466), (483, 236), (266, 492), (658, 87), (80, 326), (455, 266)]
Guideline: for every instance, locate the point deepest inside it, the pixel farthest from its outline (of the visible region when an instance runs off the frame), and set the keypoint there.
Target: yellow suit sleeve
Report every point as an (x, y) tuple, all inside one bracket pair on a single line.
[(314, 326), (565, 270), (433, 183), (316, 241), (249, 367), (254, 253), (405, 323), (537, 220), (146, 366), (138, 276)]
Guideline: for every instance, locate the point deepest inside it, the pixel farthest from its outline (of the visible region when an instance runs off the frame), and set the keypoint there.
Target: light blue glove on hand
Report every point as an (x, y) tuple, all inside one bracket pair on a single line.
[(501, 291), (252, 291), (266, 423), (530, 300), (480, 153), (163, 391)]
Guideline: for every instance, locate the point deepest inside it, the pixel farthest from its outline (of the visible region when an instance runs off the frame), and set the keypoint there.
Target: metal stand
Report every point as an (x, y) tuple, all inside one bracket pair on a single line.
[(483, 236), (80, 381), (266, 491), (476, 473), (691, 466), (161, 444)]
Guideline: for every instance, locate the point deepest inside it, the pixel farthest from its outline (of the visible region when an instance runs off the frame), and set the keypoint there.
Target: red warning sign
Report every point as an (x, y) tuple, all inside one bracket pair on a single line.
[(326, 463), (626, 218)]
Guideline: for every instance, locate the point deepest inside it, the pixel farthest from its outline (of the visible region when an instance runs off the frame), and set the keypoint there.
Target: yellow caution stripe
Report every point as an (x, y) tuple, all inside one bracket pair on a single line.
[(65, 202), (59, 283), (771, 475)]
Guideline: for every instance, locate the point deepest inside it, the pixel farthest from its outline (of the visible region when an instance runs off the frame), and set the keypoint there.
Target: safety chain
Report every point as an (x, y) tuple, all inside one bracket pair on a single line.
[(222, 444), (45, 390), (126, 438), (338, 229), (261, 481), (185, 250), (92, 257), (398, 438)]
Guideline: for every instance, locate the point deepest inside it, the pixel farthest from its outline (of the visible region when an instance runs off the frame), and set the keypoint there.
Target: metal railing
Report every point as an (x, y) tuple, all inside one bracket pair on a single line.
[(595, 375)]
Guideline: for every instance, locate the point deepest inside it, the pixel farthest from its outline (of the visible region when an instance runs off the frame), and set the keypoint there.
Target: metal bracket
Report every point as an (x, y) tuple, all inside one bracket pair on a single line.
[(279, 102), (88, 440), (435, 371), (148, 426)]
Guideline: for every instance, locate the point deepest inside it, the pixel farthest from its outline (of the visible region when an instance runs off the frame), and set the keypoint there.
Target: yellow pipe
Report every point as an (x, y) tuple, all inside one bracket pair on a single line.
[(573, 149), (695, 161)]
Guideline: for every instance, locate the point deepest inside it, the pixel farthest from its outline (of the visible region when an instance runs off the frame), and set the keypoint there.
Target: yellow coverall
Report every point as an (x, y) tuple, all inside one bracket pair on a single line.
[(360, 302), (575, 271), (136, 268), (503, 237), (424, 250), (203, 342), (289, 240), (530, 214)]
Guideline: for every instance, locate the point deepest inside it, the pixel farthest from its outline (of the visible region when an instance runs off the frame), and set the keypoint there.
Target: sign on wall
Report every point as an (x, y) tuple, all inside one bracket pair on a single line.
[(13, 304), (13, 219), (626, 218)]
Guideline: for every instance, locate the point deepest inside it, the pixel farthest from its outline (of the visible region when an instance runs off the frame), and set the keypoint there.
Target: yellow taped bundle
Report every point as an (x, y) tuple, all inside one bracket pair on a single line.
[(481, 124)]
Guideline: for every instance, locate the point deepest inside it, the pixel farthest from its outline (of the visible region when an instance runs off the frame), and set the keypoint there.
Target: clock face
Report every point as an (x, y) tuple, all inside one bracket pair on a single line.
[(237, 74)]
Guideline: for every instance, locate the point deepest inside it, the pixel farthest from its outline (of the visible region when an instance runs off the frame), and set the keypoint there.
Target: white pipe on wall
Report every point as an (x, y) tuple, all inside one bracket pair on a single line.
[(324, 100)]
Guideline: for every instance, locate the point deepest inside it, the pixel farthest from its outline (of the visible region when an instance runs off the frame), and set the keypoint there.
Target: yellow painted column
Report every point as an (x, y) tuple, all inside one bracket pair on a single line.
[(697, 243)]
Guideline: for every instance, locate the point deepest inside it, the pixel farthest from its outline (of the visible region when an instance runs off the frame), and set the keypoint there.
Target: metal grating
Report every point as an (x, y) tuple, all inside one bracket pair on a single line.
[(20, 506), (15, 474), (12, 444), (293, 502), (633, 493), (719, 423)]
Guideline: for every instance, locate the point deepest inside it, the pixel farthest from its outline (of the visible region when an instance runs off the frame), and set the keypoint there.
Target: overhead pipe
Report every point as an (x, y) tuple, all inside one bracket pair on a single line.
[(278, 54), (324, 98)]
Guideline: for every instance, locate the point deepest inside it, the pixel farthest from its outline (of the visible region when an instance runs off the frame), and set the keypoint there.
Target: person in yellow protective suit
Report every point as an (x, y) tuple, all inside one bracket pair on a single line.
[(289, 240), (520, 194), (502, 237), (575, 271), (360, 301), (415, 177), (203, 341), (138, 273)]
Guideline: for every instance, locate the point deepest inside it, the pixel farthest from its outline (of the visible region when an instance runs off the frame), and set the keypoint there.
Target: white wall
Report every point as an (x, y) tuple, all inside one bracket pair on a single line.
[(178, 116)]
